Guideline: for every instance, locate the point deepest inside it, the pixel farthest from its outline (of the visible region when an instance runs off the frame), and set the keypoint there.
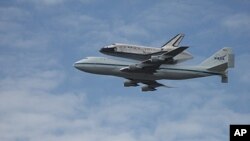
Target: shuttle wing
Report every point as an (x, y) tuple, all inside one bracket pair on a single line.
[(152, 64)]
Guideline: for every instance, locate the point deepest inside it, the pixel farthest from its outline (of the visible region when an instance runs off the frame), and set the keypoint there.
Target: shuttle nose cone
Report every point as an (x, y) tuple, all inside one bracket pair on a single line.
[(102, 50), (76, 65)]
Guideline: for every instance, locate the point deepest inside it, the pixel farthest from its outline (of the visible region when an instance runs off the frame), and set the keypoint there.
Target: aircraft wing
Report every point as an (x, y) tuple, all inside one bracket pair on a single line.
[(152, 64)]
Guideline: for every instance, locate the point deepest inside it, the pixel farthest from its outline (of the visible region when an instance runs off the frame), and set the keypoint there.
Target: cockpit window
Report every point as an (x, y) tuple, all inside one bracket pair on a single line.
[(110, 46)]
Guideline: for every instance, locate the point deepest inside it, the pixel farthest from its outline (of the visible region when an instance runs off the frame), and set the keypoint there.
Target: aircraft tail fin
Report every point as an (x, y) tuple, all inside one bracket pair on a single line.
[(220, 62), (174, 42)]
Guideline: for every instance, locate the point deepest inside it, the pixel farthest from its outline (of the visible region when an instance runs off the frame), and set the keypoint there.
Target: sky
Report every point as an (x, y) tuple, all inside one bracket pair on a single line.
[(44, 98)]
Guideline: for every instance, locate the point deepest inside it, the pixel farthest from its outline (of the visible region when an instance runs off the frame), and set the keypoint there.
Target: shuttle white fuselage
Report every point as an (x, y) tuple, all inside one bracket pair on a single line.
[(142, 53)]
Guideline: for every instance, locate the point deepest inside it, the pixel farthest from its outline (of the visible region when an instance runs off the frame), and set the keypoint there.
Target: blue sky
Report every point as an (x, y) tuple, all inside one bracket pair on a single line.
[(42, 97)]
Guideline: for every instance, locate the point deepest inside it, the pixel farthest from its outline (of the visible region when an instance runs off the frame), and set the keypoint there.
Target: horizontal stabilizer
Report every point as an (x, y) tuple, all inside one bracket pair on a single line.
[(175, 52)]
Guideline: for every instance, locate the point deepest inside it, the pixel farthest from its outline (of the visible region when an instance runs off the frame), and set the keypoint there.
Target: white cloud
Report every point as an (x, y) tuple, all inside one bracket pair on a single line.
[(12, 13), (132, 31), (15, 30), (41, 114), (46, 2), (20, 41), (237, 22), (242, 63), (33, 115), (34, 80), (52, 2)]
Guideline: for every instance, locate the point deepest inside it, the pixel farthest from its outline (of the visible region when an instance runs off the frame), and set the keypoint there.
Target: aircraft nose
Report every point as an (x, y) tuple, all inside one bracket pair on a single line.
[(78, 64), (83, 65)]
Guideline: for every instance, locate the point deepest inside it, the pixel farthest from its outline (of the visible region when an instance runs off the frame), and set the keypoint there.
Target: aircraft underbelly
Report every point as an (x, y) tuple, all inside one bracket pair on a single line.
[(165, 73), (142, 57), (115, 71), (175, 74), (139, 57), (162, 74)]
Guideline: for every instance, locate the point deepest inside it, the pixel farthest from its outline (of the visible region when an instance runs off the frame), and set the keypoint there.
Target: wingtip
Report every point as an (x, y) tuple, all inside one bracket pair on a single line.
[(182, 34)]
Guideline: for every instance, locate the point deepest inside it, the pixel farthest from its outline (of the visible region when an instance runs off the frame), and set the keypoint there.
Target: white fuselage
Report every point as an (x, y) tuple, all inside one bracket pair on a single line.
[(105, 66), (141, 53)]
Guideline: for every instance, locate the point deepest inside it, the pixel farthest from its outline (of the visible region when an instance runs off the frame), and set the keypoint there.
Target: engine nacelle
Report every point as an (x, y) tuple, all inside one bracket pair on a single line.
[(157, 58), (134, 67), (130, 83), (147, 88)]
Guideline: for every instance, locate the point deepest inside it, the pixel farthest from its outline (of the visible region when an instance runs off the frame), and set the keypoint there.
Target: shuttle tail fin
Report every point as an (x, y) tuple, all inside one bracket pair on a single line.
[(220, 62), (174, 42)]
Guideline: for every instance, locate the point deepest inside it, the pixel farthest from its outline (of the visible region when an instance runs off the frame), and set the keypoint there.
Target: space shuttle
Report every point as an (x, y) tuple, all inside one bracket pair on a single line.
[(142, 53)]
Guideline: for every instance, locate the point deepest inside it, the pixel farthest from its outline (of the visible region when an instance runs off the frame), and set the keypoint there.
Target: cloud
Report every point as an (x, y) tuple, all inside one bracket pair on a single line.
[(16, 32), (52, 2), (45, 2), (241, 61), (237, 22), (32, 115), (40, 113)]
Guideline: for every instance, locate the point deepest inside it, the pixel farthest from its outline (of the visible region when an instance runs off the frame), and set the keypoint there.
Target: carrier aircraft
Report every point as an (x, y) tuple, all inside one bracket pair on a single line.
[(155, 68), (141, 53)]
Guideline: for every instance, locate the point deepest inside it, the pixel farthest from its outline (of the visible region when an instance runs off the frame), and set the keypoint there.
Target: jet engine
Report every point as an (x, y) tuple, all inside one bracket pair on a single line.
[(147, 88), (130, 83), (160, 59), (156, 59), (134, 67)]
